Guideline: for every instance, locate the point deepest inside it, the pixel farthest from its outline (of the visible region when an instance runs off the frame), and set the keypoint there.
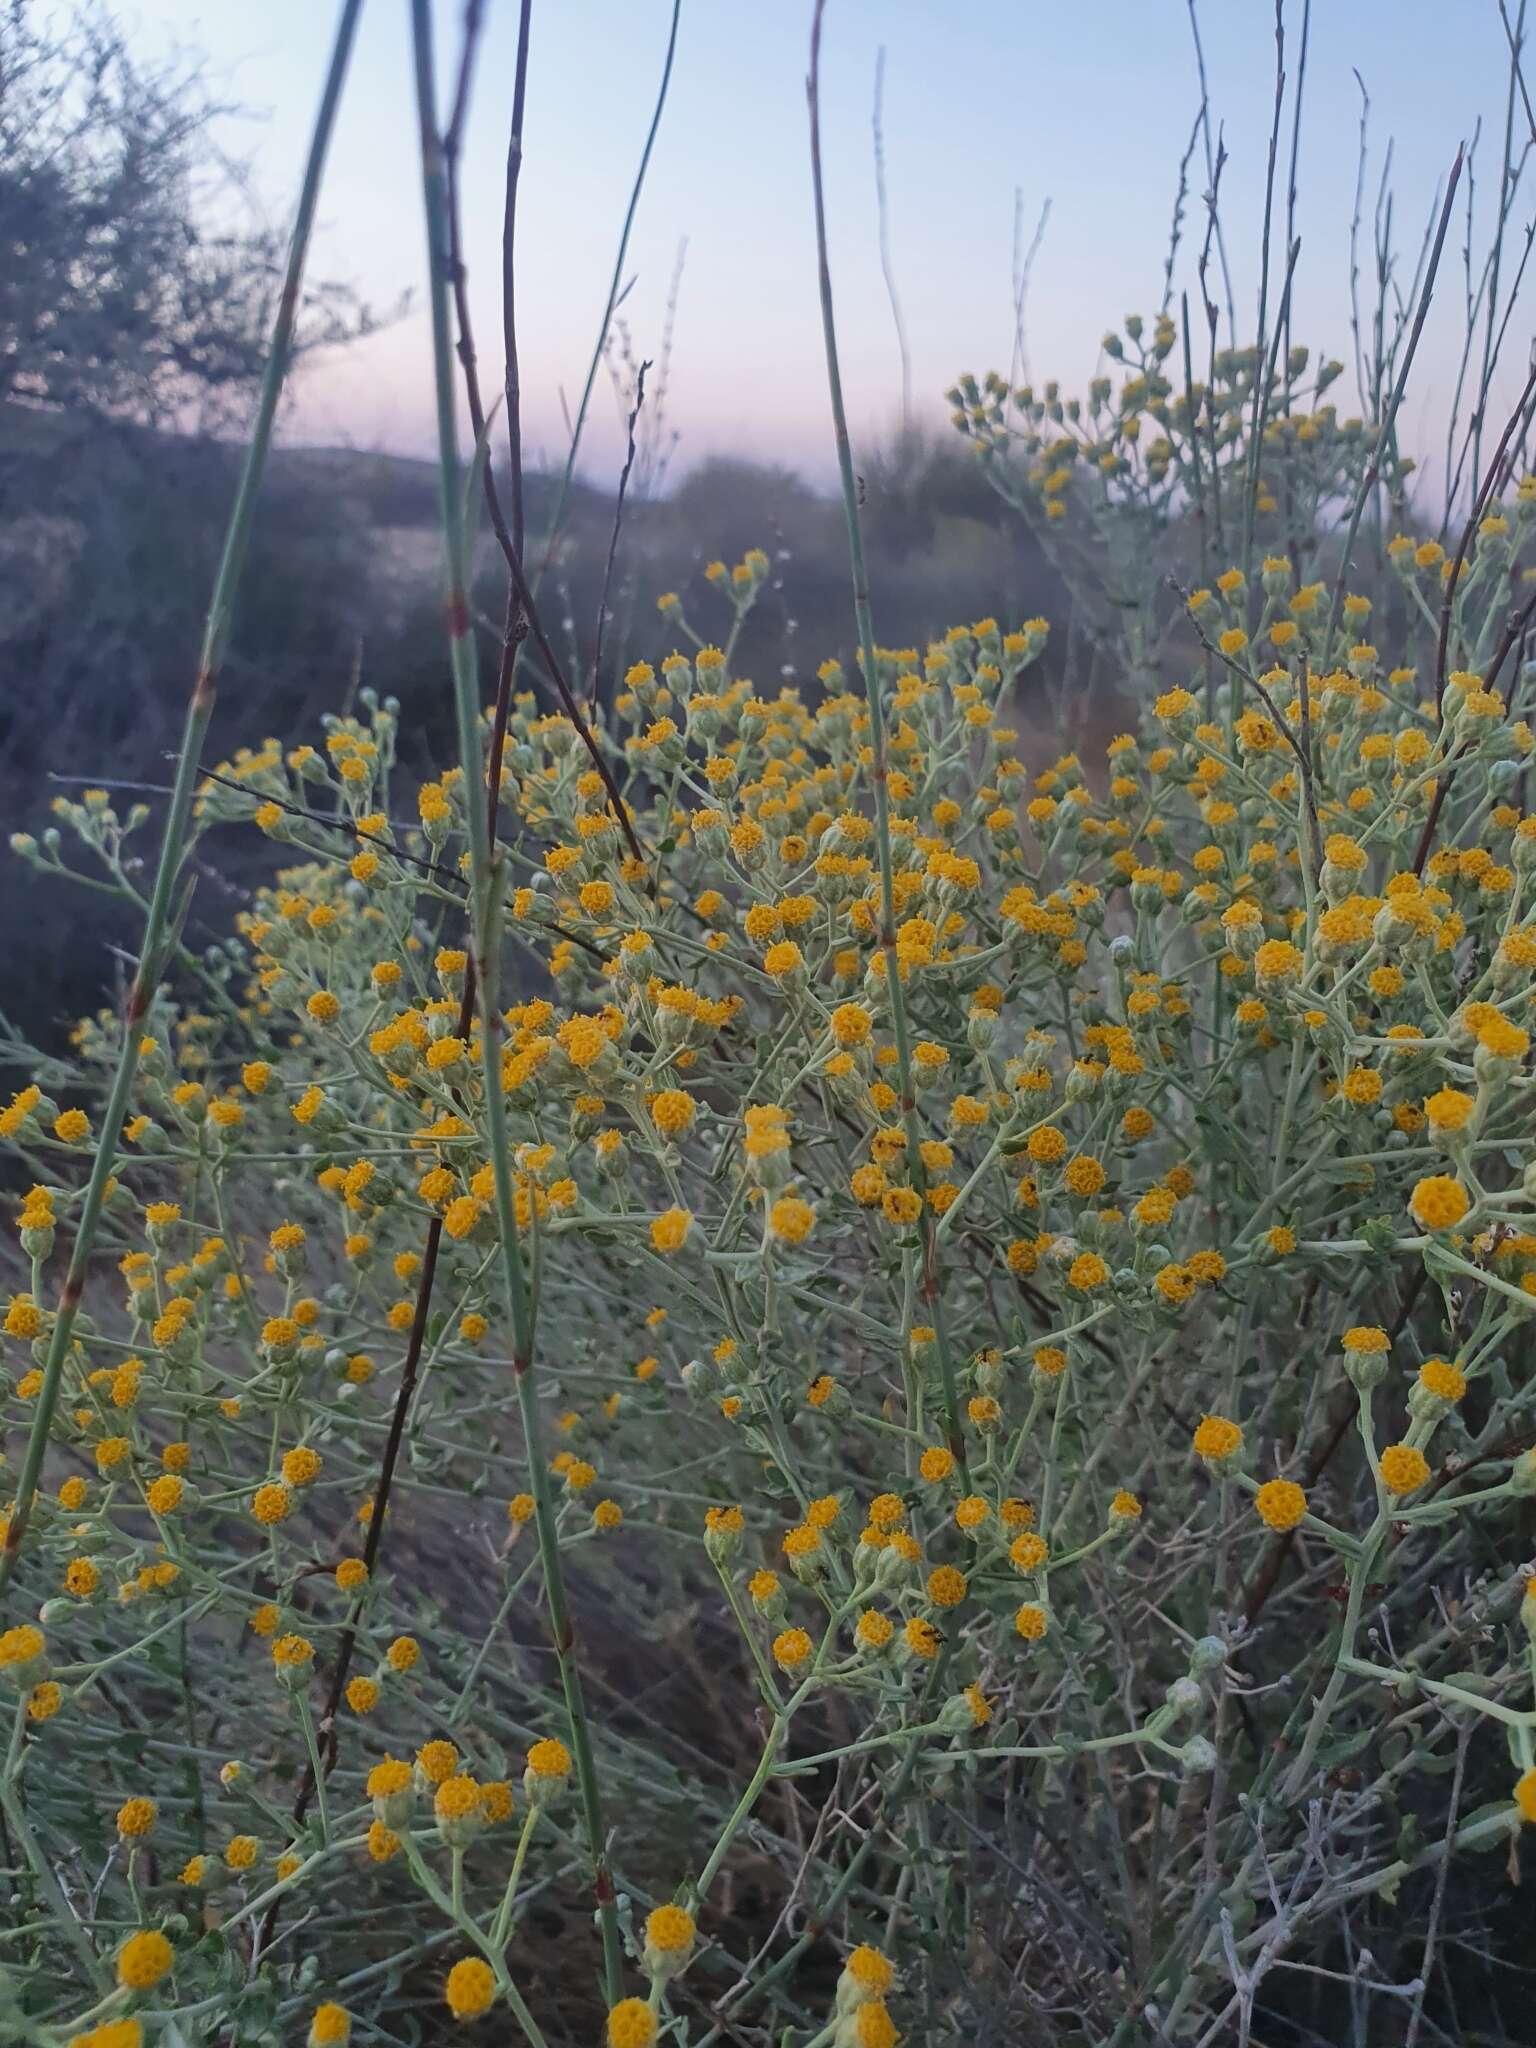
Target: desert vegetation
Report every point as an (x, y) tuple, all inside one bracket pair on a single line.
[(826, 1360)]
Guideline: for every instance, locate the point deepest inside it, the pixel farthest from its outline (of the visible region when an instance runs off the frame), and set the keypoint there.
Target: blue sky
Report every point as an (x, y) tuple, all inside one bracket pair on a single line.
[(1088, 104)]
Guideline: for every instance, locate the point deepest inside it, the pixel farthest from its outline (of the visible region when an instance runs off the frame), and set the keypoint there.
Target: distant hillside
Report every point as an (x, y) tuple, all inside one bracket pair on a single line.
[(109, 538)]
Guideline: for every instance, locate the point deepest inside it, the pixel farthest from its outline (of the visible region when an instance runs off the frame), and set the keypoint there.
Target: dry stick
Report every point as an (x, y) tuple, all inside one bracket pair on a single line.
[(415, 1344), (613, 539), (1176, 225), (1512, 631), (1212, 229), (1194, 451), (877, 125), (485, 880), (1514, 52), (1480, 503), (1261, 380), (394, 1442), (1361, 158), (1372, 476), (427, 1280), (1515, 626), (1508, 183), (1213, 175), (514, 629), (1437, 1903), (879, 773), (512, 382), (1019, 365), (1290, 185), (521, 596), (614, 295), (444, 877), (167, 901), (1267, 368)]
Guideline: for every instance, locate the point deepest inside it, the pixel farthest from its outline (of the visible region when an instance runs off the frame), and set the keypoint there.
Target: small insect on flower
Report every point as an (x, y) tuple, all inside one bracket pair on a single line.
[(921, 1638)]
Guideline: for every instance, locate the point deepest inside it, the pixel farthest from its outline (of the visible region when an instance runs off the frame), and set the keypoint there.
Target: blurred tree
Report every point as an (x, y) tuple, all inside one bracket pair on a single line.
[(137, 288), (124, 288)]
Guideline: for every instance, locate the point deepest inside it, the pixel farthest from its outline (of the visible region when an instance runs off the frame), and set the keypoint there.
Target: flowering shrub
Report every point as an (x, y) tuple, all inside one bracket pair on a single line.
[(1001, 1322), (1108, 480), (775, 1379)]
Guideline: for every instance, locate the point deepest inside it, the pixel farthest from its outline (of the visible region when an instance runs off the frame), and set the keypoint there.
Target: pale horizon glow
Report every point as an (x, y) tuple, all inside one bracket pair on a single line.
[(1089, 107)]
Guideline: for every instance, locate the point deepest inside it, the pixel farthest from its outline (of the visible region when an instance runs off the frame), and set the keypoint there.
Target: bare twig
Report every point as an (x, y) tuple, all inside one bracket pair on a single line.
[(1023, 268), (616, 295), (1213, 163), (877, 125), (522, 599), (613, 538), (1372, 473), (1490, 485), (1437, 1904)]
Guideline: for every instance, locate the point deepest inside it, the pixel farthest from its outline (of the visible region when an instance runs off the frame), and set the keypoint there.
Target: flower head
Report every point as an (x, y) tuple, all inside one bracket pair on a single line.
[(144, 1959), (471, 1988), (1281, 1503), (631, 2024)]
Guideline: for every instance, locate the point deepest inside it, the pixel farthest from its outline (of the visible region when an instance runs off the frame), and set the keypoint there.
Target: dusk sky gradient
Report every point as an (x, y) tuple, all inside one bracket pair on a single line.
[(1087, 104)]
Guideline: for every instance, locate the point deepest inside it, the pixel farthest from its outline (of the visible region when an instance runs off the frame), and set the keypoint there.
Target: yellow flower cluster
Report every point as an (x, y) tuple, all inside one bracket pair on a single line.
[(913, 1173)]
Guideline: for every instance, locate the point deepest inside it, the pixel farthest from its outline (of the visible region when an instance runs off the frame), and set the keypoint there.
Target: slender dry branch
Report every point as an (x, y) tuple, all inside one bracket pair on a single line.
[(1490, 485), (521, 601), (903, 349), (613, 539), (1372, 475)]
